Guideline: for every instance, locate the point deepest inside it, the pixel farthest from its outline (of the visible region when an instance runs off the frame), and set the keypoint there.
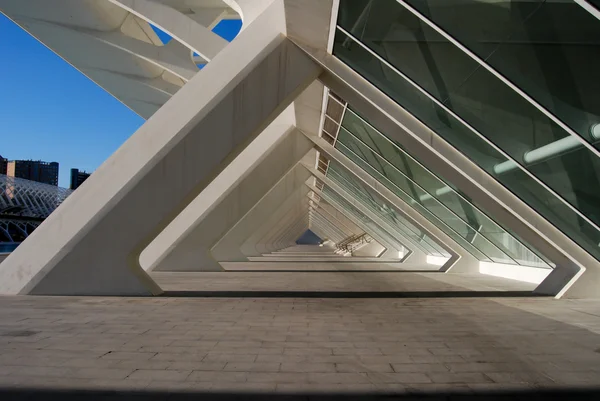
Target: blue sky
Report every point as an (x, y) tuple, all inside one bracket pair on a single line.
[(50, 111)]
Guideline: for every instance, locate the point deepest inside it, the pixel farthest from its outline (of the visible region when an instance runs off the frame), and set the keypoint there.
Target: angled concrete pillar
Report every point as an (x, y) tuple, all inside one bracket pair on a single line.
[(336, 227), (277, 231), (372, 216), (92, 242), (318, 219), (178, 25), (371, 250), (338, 217), (573, 263), (273, 234), (228, 248), (460, 260), (190, 251), (392, 243), (287, 237), (392, 248)]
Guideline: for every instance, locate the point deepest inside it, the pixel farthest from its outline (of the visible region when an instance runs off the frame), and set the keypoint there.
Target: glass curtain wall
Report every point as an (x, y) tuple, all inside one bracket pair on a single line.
[(340, 203), (380, 208), (526, 121), (442, 204)]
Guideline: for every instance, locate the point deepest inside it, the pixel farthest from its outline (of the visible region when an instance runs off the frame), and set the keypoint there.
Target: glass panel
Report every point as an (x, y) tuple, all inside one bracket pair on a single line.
[(393, 229), (547, 49), (445, 202), (379, 207), (401, 186), (480, 99), (337, 201)]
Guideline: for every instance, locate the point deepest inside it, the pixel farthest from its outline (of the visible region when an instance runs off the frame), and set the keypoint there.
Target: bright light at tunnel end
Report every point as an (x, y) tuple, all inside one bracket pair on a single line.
[(527, 274)]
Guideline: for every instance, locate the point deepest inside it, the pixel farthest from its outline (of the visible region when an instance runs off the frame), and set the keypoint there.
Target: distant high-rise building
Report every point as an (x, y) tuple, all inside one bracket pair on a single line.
[(34, 170), (3, 165), (77, 178)]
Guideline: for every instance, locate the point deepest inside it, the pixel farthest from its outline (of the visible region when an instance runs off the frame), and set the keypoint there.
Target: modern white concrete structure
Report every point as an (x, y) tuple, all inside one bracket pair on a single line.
[(370, 123)]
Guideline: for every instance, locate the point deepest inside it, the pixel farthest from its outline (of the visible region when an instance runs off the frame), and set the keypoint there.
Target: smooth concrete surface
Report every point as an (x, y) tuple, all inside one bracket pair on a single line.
[(389, 241), (299, 344), (325, 259), (284, 224), (186, 223), (183, 28), (333, 215), (328, 281), (372, 249), (347, 265), (193, 251), (229, 247), (122, 208), (317, 219), (392, 249), (275, 233), (285, 212)]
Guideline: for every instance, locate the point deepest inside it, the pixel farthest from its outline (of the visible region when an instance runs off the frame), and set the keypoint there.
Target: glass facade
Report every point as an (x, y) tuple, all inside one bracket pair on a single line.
[(545, 48), (510, 84), (339, 202), (440, 203), (397, 224)]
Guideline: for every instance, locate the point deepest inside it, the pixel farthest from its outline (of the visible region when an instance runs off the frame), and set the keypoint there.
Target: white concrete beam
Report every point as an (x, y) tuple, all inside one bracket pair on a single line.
[(391, 247), (447, 162), (271, 236), (228, 248), (394, 242), (460, 261), (92, 242), (189, 251), (179, 26), (403, 240)]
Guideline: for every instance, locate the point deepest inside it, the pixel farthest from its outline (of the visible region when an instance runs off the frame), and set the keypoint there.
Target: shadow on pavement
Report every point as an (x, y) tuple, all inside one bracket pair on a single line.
[(118, 395)]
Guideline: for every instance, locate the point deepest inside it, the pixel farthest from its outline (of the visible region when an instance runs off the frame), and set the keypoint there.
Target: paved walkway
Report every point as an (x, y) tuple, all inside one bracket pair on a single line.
[(298, 344)]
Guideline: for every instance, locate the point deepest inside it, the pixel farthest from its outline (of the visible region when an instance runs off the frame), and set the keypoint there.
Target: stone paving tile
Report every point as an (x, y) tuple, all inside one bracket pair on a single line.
[(338, 388), (215, 377), (279, 377), (179, 356), (92, 363), (252, 366), (298, 344), (451, 377), (305, 367), (98, 373), (201, 366), (403, 378), (419, 367), (362, 367), (161, 375), (121, 355), (216, 357)]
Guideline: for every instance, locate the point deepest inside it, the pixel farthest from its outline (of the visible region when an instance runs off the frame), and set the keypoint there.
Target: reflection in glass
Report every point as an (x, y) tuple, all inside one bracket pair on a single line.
[(481, 100), (381, 209), (548, 49), (339, 202), (445, 202)]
